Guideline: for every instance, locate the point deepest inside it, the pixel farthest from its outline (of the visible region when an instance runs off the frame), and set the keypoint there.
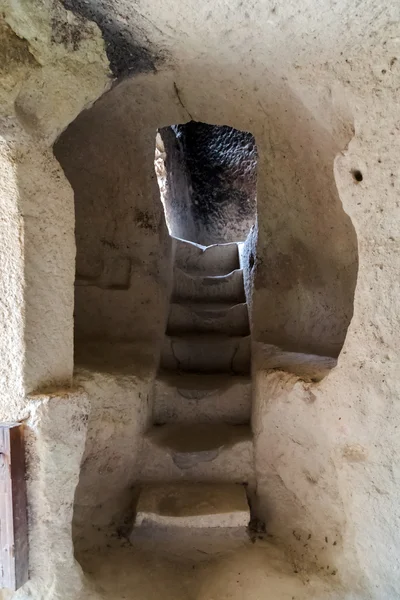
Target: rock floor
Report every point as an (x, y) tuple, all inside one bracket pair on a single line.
[(176, 569)]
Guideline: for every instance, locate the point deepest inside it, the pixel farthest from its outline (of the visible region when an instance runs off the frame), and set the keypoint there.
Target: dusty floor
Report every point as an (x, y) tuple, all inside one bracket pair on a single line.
[(155, 568)]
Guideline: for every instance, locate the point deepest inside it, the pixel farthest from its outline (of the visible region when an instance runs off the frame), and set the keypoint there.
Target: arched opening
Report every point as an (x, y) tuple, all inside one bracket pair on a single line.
[(132, 279), (207, 178)]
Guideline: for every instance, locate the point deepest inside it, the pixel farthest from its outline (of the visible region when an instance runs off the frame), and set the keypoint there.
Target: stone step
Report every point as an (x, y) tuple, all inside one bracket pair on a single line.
[(183, 398), (218, 259), (198, 452), (217, 288), (206, 353), (231, 319), (193, 505), (195, 544)]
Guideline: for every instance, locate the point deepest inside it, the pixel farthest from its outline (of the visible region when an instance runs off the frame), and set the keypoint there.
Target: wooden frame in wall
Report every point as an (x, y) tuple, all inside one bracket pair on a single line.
[(13, 508)]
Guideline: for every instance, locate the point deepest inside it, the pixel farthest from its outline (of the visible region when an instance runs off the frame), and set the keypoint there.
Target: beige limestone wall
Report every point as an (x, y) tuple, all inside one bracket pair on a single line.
[(327, 465), (175, 187), (47, 77), (123, 263), (307, 249), (120, 414), (55, 439), (343, 429), (41, 92)]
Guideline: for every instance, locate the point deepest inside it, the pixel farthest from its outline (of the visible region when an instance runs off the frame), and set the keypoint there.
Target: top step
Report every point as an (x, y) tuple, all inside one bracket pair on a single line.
[(195, 259)]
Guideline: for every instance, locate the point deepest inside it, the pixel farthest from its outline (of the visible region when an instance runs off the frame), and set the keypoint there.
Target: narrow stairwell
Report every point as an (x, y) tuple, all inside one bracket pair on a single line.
[(197, 459)]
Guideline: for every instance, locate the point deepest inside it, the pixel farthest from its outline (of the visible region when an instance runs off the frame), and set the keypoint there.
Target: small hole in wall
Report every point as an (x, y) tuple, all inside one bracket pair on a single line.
[(251, 261), (357, 175)]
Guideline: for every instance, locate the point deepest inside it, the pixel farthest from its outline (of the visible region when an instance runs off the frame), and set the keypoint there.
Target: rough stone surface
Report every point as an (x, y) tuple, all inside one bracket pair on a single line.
[(61, 66), (174, 184), (220, 566), (180, 398), (193, 505), (214, 288), (218, 165), (37, 306), (123, 247), (127, 55), (55, 436), (44, 85), (120, 415), (231, 319), (195, 259), (206, 353), (317, 85), (198, 452)]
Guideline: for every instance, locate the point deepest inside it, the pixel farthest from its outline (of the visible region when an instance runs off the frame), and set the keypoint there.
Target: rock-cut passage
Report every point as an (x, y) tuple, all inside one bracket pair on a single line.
[(197, 461)]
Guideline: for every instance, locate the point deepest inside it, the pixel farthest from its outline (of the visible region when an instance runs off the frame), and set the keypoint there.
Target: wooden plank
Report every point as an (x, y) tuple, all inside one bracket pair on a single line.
[(13, 508)]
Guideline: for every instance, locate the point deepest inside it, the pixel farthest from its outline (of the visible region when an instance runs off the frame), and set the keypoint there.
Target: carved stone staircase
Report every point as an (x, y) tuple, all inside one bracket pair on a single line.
[(197, 458)]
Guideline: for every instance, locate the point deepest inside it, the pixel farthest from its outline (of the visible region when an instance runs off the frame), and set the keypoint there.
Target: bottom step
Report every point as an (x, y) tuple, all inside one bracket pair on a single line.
[(193, 505)]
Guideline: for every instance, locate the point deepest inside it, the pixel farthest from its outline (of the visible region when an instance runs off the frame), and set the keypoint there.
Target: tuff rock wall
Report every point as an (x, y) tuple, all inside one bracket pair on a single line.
[(215, 169), (317, 85)]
